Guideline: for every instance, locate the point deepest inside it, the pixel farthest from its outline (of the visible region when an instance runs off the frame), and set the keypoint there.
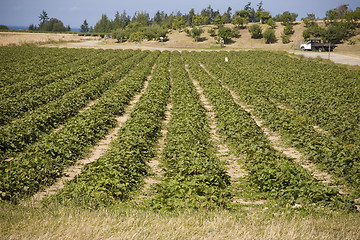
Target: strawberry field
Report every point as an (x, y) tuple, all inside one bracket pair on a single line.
[(57, 104)]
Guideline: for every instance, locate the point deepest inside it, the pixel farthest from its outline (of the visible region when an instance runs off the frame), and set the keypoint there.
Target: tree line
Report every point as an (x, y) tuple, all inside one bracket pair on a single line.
[(49, 24), (340, 23)]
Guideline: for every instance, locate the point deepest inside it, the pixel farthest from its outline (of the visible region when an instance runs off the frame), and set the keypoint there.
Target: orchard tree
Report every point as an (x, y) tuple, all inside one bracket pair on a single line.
[(309, 21), (240, 21), (287, 18), (200, 20), (178, 23), (196, 33), (269, 35), (219, 20), (225, 33), (255, 31)]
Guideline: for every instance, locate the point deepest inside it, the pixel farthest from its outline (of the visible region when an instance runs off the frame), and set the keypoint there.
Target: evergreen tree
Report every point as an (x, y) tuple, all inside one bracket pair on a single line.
[(190, 17), (124, 20), (43, 17), (103, 26), (84, 27), (116, 23), (142, 18)]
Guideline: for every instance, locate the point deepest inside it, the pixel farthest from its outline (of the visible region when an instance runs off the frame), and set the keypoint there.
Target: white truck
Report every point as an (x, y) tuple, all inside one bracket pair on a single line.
[(315, 44)]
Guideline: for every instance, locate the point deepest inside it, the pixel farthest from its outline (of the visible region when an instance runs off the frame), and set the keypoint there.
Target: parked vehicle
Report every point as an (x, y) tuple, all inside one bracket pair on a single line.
[(316, 44)]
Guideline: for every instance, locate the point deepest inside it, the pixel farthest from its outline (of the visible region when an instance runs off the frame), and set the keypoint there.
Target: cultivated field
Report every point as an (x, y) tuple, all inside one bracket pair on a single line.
[(264, 141)]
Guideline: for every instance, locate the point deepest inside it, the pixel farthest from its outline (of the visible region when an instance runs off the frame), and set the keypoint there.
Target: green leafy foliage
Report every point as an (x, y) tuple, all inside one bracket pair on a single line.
[(45, 161), (270, 171), (335, 110), (17, 136), (255, 31), (116, 175), (194, 176), (269, 35)]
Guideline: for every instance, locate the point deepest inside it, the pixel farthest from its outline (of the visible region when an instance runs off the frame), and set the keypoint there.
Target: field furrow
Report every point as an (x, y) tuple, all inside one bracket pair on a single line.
[(270, 171), (36, 124), (115, 176), (42, 164), (194, 177)]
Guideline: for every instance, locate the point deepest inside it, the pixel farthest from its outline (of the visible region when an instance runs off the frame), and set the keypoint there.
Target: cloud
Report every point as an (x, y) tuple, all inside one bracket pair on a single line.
[(74, 9)]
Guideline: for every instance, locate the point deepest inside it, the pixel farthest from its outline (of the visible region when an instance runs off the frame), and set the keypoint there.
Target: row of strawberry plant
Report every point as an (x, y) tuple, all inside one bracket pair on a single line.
[(38, 79), (18, 105), (45, 161), (336, 109), (22, 62), (270, 171), (194, 176), (327, 94), (326, 151), (17, 136), (115, 176)]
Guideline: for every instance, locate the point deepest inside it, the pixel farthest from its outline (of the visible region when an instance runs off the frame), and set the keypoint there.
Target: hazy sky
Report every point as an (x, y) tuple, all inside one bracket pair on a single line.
[(73, 12)]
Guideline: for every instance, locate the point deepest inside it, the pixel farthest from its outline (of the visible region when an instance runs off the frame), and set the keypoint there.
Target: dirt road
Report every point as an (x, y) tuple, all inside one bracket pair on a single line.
[(335, 57)]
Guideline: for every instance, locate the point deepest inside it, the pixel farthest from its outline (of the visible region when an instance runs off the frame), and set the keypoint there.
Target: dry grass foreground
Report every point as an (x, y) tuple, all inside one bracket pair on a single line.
[(20, 38), (20, 222)]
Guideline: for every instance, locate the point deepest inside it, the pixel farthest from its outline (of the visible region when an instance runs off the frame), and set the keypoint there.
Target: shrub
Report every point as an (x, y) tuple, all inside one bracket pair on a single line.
[(196, 33), (314, 31), (255, 31), (136, 37), (212, 32), (288, 30), (225, 33), (335, 34), (269, 35), (285, 39), (4, 28), (119, 34)]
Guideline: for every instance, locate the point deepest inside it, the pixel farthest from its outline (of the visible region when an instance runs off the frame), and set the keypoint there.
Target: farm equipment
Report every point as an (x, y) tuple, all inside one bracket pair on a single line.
[(316, 44)]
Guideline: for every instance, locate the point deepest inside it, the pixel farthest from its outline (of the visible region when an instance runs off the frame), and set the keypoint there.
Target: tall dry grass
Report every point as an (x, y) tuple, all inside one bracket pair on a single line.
[(19, 222)]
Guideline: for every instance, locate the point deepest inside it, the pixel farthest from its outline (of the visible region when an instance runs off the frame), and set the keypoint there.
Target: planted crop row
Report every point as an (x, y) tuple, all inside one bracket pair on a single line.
[(23, 62), (115, 176), (45, 161), (194, 176), (270, 171), (326, 151), (17, 136), (35, 80), (327, 94), (20, 104)]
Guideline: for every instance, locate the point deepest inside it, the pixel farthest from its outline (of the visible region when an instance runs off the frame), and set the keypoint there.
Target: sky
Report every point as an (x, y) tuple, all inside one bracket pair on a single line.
[(74, 12)]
